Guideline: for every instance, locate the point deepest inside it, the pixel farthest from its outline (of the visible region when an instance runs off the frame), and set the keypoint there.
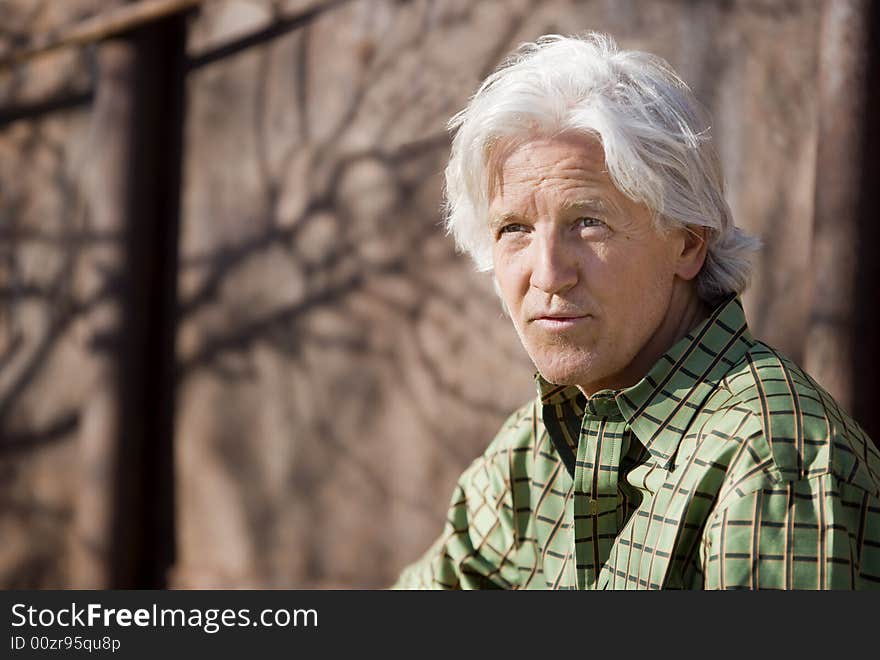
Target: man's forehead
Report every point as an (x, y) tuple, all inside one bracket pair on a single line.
[(577, 201), (567, 156), (573, 166), (537, 147)]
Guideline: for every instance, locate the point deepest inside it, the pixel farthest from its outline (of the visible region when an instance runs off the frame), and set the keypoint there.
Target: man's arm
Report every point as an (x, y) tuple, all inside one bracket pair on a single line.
[(477, 546), (817, 533)]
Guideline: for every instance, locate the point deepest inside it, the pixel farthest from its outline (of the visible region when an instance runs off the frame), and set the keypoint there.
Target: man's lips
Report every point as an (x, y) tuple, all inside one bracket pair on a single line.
[(558, 321), (557, 316)]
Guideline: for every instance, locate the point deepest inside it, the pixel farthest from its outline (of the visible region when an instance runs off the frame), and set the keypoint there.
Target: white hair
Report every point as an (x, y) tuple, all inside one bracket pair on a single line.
[(653, 131)]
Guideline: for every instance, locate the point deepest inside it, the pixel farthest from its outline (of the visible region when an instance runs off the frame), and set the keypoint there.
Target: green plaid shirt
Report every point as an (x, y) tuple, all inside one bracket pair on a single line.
[(726, 467)]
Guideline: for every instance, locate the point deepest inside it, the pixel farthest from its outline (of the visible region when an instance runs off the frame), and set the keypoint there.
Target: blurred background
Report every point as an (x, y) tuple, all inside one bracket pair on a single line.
[(236, 348)]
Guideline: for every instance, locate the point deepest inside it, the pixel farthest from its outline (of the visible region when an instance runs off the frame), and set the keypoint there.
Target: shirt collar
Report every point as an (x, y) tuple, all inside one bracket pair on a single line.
[(660, 407)]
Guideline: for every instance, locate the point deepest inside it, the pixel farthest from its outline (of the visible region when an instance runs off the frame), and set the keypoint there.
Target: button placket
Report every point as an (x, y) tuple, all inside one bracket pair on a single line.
[(596, 497), (585, 506)]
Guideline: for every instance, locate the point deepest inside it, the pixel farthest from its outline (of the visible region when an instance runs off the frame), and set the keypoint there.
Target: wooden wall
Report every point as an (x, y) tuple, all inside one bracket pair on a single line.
[(236, 348)]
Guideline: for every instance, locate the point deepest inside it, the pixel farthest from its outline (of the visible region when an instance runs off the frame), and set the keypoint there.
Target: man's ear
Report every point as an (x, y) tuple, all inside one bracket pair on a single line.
[(693, 252)]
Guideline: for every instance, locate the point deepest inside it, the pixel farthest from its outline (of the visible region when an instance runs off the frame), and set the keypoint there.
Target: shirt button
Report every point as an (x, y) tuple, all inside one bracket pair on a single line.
[(593, 507)]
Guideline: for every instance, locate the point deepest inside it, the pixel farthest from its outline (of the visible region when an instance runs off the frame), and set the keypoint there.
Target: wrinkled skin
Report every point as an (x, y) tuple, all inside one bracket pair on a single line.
[(596, 292)]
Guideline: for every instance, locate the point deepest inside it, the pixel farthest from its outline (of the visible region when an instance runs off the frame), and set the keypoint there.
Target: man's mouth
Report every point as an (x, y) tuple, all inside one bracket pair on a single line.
[(559, 321)]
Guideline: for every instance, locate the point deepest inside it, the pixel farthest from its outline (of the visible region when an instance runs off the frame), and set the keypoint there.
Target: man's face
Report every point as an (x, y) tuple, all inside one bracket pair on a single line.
[(586, 277)]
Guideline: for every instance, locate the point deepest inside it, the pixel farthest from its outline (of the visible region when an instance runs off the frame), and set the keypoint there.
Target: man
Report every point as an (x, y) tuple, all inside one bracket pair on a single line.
[(667, 448)]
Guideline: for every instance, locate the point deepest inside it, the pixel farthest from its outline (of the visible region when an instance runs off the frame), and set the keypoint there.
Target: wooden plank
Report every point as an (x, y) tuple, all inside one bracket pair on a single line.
[(106, 24), (841, 116)]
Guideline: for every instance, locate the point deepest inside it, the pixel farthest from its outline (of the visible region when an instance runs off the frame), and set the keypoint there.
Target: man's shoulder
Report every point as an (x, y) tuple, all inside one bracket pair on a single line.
[(795, 421), (508, 456)]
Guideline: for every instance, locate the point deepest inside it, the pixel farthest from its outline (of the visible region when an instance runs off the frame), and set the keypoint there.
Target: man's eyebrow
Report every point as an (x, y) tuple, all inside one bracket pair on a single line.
[(590, 205), (593, 204), (501, 218)]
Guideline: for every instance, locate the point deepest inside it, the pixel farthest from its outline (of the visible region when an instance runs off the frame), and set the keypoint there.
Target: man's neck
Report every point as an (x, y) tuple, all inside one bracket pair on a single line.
[(686, 311)]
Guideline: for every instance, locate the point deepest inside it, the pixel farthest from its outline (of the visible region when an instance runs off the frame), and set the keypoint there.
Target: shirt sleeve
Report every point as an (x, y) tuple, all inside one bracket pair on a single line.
[(817, 533), (477, 546)]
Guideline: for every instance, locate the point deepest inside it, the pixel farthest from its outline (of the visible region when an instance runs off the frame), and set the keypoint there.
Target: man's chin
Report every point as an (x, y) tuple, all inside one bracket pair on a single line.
[(565, 365), (562, 374)]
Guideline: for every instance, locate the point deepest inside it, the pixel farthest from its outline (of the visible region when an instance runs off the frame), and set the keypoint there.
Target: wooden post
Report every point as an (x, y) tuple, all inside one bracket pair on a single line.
[(124, 522), (829, 353), (866, 330)]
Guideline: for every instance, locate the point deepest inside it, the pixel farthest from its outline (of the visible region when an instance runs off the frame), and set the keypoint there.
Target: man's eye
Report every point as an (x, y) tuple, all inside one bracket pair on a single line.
[(512, 228), (583, 223)]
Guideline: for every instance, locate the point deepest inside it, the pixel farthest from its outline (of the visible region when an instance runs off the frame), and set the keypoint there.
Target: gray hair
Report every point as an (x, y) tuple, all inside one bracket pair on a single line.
[(654, 133)]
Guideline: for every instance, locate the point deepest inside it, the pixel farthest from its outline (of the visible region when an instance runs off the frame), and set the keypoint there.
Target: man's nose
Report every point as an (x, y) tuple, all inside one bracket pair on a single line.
[(554, 266)]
